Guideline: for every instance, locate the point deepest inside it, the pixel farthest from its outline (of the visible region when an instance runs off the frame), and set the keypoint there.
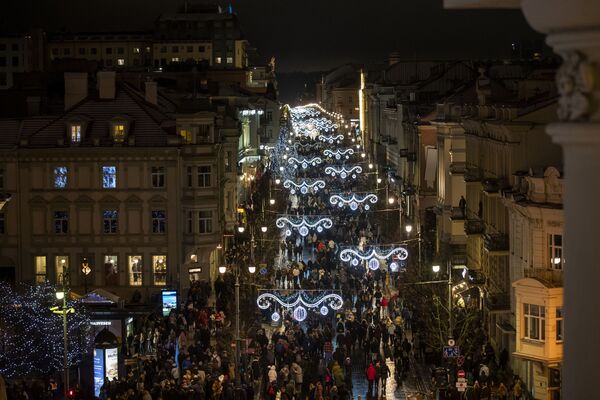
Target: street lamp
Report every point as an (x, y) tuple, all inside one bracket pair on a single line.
[(436, 268), (241, 229), (378, 180), (277, 181), (263, 229), (252, 268), (370, 165), (271, 201), (391, 200), (408, 228), (222, 269), (60, 295)]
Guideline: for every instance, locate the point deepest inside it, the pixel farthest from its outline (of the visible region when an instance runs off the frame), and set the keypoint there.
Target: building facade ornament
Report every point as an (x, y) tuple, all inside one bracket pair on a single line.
[(575, 81)]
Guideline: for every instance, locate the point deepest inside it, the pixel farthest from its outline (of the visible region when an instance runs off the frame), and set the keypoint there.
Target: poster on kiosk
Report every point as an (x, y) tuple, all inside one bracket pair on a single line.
[(106, 365)]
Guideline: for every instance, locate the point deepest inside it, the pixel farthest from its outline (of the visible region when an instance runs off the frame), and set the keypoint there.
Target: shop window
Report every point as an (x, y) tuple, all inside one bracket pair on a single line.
[(135, 270), (40, 269), (111, 270), (159, 268)]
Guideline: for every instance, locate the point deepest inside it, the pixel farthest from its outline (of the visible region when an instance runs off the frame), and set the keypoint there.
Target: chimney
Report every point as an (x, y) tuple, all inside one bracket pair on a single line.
[(151, 92), (76, 88), (33, 105), (106, 84)]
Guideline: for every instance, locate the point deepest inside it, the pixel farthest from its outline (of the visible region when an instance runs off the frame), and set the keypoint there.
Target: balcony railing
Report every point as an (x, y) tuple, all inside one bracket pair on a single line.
[(457, 213), (496, 244), (472, 174), (553, 277), (491, 185), (474, 227)]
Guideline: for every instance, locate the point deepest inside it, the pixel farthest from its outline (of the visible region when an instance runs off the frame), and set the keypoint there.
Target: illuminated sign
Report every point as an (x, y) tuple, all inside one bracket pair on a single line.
[(169, 301)]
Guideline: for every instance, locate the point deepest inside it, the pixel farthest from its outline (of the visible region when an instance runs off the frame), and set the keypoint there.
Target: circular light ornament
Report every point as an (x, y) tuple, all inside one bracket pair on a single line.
[(337, 157), (367, 207), (343, 175), (293, 191), (340, 204), (353, 176), (303, 231), (288, 232), (275, 316), (394, 266), (319, 229), (354, 206), (300, 313), (324, 310), (304, 190), (354, 261), (304, 165), (373, 264)]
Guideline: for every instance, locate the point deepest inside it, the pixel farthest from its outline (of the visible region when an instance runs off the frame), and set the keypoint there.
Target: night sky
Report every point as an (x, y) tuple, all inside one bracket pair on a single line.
[(307, 35)]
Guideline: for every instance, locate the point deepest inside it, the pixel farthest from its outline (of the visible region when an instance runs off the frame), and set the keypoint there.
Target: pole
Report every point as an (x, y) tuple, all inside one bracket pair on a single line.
[(65, 338), (449, 266), (238, 378)]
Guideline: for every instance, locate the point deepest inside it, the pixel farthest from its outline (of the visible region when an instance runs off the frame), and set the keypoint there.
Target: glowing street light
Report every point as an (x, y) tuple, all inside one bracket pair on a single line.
[(252, 269), (408, 228), (222, 269), (391, 200), (241, 229), (370, 165), (277, 181), (378, 180), (271, 201), (263, 229), (60, 295), (435, 268)]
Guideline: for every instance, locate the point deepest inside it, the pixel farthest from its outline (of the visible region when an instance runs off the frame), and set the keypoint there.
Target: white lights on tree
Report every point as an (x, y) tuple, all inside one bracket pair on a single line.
[(305, 163), (303, 224), (304, 186), (353, 201), (338, 154), (343, 171)]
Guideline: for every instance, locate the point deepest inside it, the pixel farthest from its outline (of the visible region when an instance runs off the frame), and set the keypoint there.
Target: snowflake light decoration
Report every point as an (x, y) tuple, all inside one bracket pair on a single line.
[(303, 224), (353, 201), (304, 186), (344, 172)]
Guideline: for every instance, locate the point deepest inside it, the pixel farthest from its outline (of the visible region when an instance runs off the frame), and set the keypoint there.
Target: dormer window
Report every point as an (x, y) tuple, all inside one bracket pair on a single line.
[(118, 132), (76, 133)]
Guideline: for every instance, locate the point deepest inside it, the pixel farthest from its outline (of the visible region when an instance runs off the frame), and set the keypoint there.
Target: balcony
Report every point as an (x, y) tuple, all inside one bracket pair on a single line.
[(496, 244), (458, 168), (472, 174), (550, 277), (491, 186), (474, 227), (457, 214)]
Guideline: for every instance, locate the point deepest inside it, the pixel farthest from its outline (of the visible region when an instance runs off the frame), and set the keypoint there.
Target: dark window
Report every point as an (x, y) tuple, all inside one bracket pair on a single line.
[(190, 49), (66, 51), (2, 61), (81, 50), (15, 47), (159, 221), (158, 177), (201, 49), (2, 227), (15, 61), (108, 50), (120, 50), (93, 50), (110, 221), (175, 49), (204, 173), (61, 222), (2, 46)]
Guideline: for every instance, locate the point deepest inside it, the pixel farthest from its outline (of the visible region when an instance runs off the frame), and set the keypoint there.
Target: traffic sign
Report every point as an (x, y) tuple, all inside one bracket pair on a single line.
[(451, 342), (461, 386), (460, 374), (451, 351)]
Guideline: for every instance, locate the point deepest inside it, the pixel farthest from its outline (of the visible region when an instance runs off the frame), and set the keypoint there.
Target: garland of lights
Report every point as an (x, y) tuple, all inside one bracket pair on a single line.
[(353, 201), (32, 335), (337, 154), (304, 186), (331, 138), (299, 304), (372, 257), (304, 162), (343, 172), (304, 225)]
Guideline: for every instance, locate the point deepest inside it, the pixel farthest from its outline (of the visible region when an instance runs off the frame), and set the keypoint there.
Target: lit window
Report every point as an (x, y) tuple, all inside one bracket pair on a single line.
[(534, 318), (187, 135), (61, 222), (75, 133), (205, 222), (111, 269), (136, 50), (218, 60), (120, 61), (61, 177), (159, 268), (135, 270), (110, 221), (109, 177), (2, 223), (40, 269), (159, 221), (158, 177), (204, 173), (175, 59), (229, 60), (61, 264), (555, 250), (119, 133)]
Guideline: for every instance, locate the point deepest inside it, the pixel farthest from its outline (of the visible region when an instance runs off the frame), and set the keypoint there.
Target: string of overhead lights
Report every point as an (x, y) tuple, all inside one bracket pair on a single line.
[(343, 171), (353, 201), (299, 303), (304, 225)]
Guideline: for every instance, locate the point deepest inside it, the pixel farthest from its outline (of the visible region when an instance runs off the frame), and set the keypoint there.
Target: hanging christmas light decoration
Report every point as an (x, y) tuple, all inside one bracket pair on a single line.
[(300, 303), (373, 257), (353, 201), (303, 224), (331, 139), (343, 171), (304, 162), (304, 186), (338, 154)]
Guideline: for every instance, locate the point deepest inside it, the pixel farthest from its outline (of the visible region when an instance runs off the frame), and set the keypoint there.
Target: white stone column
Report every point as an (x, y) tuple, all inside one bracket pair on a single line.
[(573, 28)]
